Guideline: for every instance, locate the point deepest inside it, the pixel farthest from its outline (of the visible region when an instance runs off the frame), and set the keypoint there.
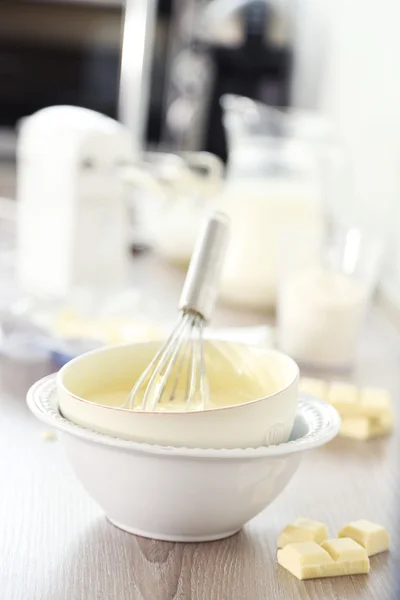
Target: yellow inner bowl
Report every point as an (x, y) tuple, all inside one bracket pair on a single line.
[(235, 373)]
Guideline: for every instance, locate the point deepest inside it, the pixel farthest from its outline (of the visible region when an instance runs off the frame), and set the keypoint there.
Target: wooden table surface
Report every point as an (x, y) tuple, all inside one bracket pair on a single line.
[(55, 544)]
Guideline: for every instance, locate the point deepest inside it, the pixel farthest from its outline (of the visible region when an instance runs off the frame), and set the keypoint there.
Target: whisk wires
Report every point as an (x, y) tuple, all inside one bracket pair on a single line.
[(177, 370)]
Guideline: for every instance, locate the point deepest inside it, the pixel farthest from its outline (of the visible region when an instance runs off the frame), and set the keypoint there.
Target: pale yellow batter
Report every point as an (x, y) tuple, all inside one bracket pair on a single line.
[(234, 375), (217, 399)]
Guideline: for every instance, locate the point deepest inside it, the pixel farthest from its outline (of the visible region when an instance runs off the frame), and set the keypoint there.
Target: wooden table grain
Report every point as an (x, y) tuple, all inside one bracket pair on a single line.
[(55, 543)]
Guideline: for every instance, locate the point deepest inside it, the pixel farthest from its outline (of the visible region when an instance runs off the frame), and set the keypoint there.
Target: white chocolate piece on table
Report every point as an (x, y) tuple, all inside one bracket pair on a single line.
[(374, 402), (303, 530), (304, 560), (386, 421), (315, 387), (48, 436), (374, 538), (364, 428), (349, 556), (69, 324), (344, 397), (367, 402), (309, 560)]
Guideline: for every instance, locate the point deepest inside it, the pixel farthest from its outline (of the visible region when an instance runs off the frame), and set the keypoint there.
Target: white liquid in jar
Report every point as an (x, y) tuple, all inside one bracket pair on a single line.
[(260, 209)]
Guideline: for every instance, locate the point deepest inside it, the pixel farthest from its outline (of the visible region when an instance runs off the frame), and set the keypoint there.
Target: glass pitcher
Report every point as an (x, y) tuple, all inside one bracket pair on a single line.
[(171, 195), (277, 175)]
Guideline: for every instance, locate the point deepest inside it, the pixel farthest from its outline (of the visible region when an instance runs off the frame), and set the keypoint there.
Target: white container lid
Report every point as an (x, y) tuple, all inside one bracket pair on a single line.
[(67, 128)]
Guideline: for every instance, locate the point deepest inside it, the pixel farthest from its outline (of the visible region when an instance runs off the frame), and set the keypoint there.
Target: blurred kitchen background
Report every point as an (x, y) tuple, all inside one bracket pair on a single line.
[(180, 76), (68, 52)]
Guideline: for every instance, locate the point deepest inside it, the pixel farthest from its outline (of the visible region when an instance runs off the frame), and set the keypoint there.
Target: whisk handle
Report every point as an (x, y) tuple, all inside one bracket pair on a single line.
[(200, 290)]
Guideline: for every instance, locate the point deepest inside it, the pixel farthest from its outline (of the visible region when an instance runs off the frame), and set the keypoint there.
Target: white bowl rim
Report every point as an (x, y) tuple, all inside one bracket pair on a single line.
[(324, 419), (70, 363)]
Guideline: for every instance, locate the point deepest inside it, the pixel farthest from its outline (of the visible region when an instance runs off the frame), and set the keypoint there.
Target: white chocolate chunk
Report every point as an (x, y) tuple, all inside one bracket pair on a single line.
[(304, 560), (308, 560), (368, 402), (303, 530), (374, 538), (315, 387), (349, 556), (386, 421), (344, 397), (48, 436), (364, 428), (344, 549), (374, 402)]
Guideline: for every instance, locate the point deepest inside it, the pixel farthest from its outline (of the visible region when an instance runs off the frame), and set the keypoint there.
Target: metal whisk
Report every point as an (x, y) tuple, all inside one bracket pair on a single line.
[(182, 355)]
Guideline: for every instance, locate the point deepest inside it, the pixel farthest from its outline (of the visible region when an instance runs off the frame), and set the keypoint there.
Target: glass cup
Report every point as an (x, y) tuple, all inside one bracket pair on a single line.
[(325, 287)]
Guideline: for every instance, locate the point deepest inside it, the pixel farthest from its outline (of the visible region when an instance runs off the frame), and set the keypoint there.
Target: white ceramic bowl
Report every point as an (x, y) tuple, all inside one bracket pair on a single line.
[(263, 421), (182, 494)]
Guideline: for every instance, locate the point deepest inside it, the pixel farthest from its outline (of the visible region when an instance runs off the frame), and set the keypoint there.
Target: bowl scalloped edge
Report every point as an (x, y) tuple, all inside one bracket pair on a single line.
[(323, 421)]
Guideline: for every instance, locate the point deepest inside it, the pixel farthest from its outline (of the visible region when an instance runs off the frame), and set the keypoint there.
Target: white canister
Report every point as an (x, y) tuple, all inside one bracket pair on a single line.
[(72, 219)]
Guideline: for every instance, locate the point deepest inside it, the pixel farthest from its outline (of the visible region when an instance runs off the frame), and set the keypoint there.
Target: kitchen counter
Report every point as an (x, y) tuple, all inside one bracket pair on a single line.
[(57, 545)]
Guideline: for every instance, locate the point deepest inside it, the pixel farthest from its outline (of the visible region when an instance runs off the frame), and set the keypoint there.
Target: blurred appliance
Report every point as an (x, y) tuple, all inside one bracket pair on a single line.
[(219, 47), (68, 52), (178, 58)]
